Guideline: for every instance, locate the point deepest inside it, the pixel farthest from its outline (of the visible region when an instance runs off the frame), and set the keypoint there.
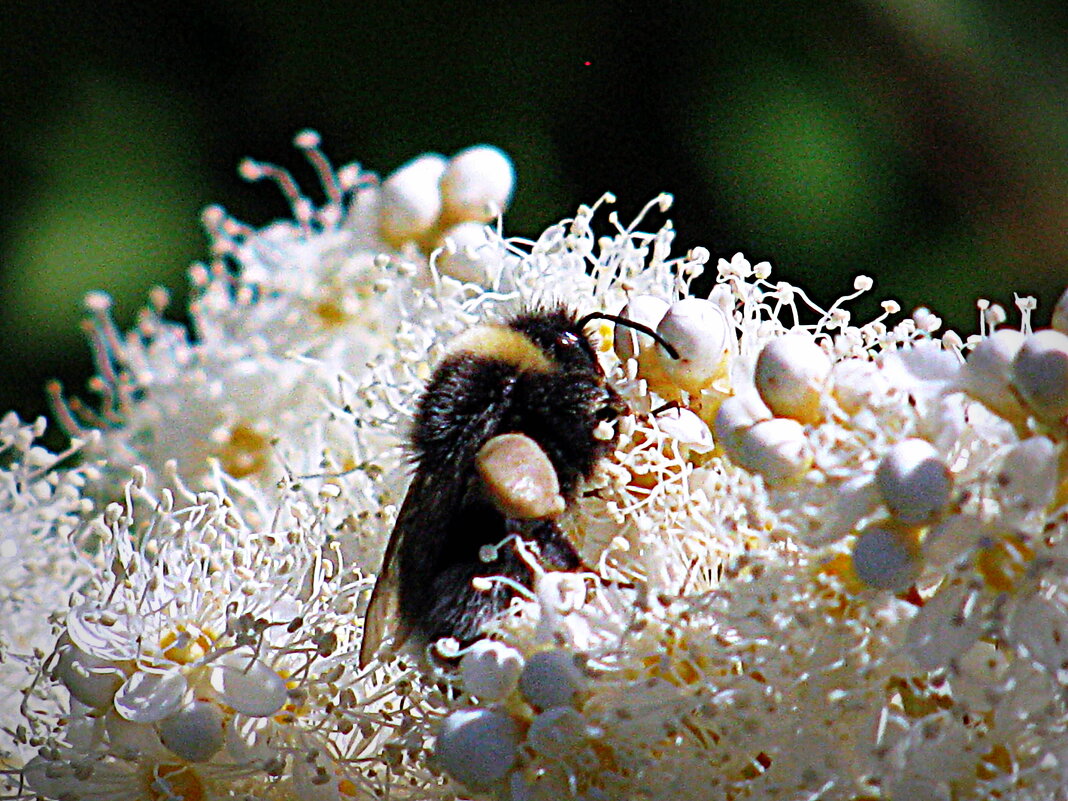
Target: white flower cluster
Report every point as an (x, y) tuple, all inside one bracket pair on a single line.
[(828, 558)]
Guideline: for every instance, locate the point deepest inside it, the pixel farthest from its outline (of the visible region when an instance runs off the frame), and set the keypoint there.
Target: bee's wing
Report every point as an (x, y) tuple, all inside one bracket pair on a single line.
[(383, 619)]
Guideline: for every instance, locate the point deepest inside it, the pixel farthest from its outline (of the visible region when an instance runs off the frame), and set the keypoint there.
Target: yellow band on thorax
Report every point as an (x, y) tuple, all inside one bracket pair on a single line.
[(502, 344)]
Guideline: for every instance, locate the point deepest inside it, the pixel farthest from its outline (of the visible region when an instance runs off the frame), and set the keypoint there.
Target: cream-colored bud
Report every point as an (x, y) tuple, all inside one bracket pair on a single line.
[(1040, 374), (914, 482), (987, 373), (791, 373), (886, 556), (704, 338), (477, 185), (410, 200)]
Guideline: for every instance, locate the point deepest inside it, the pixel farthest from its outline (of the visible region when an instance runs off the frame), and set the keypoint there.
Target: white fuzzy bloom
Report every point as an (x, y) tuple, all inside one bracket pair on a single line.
[(856, 588)]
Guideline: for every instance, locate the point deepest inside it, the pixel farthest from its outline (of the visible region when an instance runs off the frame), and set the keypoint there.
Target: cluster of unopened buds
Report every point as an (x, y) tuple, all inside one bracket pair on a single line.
[(826, 560)]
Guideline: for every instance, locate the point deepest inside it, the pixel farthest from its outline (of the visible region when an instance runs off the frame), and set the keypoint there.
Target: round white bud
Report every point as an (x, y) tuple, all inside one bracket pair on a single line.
[(735, 415), (248, 685), (490, 670), (914, 482), (467, 253), (987, 373), (1040, 374), (410, 199), (704, 338), (551, 678), (194, 732), (886, 557), (477, 184), (519, 478), (775, 449), (1060, 313), (791, 373), (477, 746), (648, 310)]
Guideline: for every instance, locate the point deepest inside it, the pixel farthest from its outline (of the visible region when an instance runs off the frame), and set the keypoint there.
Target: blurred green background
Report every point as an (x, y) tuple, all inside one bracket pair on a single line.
[(921, 143)]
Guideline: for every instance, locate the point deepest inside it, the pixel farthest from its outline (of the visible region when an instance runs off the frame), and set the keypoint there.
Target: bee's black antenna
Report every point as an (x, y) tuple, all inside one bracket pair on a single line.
[(644, 329)]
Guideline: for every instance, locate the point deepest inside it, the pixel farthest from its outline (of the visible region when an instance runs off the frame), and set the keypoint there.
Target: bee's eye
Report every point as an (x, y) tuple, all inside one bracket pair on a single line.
[(569, 348), (567, 341)]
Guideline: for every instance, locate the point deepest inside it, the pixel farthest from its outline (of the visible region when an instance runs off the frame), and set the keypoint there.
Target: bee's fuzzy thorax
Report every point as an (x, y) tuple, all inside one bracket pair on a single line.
[(501, 343)]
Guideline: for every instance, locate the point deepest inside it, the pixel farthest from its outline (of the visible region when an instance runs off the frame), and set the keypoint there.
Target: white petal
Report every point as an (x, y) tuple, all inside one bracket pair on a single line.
[(1025, 482), (248, 685), (90, 679), (195, 732), (648, 310), (1040, 629), (946, 626), (102, 632), (687, 428), (148, 697), (855, 500)]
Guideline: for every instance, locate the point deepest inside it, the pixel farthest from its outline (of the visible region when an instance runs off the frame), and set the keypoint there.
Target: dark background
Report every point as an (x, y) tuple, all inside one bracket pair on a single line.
[(921, 143)]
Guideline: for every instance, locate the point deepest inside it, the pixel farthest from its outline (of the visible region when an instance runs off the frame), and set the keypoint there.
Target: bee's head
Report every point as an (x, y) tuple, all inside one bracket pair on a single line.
[(560, 336)]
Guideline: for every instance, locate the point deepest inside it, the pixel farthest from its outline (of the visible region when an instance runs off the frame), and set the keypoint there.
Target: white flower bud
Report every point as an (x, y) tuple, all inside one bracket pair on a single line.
[(477, 184), (775, 449), (648, 310), (791, 373), (1040, 374), (551, 678), (467, 253), (477, 746), (519, 478), (490, 670), (248, 685), (987, 373), (195, 732), (914, 482), (90, 679), (410, 199), (704, 338), (735, 415), (1060, 314), (886, 556)]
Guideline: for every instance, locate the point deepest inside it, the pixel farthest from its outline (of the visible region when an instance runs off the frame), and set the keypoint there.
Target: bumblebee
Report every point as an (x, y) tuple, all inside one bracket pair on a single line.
[(536, 375)]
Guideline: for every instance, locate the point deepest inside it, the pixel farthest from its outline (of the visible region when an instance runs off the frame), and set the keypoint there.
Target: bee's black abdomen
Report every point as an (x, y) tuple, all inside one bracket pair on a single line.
[(455, 608)]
